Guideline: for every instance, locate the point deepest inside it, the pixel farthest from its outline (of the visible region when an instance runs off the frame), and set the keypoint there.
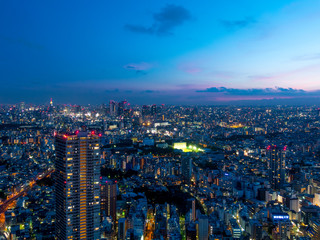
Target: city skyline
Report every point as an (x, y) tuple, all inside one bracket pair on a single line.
[(123, 171), (173, 52), (160, 120)]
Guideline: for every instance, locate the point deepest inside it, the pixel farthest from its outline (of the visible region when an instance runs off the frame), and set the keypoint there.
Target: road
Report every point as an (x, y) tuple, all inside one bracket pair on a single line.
[(149, 229), (6, 203)]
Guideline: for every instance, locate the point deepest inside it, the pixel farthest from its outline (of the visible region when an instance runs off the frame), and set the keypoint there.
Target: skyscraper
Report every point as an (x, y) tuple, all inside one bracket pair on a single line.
[(154, 109), (194, 213), (108, 196), (77, 186), (145, 110), (122, 107), (276, 166), (186, 168), (203, 227), (113, 108)]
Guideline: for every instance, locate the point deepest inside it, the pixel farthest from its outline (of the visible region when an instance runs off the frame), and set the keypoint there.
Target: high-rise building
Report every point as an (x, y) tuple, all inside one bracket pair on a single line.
[(276, 157), (122, 107), (108, 196), (194, 213), (22, 106), (113, 108), (50, 108), (255, 229), (154, 109), (203, 227), (77, 190), (186, 168), (235, 229), (122, 228), (145, 110)]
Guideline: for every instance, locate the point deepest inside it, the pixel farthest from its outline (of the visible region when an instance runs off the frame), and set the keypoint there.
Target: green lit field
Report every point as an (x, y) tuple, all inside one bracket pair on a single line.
[(187, 148)]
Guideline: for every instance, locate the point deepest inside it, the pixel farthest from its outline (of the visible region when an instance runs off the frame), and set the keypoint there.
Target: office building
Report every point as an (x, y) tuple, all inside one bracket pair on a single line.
[(77, 187)]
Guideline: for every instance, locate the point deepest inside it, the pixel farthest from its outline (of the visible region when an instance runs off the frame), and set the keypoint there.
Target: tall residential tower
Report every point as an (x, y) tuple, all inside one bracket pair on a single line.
[(77, 187), (276, 155)]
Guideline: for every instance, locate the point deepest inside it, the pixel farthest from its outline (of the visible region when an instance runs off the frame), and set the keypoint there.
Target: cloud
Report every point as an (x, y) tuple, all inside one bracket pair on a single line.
[(278, 91), (237, 24), (139, 29), (164, 22), (141, 72), (139, 68)]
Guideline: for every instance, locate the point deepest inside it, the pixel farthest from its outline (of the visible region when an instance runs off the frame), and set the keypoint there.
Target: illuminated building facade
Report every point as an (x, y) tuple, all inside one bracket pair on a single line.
[(108, 198), (276, 157), (77, 187)]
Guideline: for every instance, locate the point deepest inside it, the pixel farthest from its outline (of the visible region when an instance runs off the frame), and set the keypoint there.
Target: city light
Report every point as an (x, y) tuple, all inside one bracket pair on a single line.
[(173, 120)]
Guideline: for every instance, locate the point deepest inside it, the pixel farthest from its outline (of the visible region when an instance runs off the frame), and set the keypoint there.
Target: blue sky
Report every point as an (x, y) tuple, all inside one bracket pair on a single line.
[(159, 51)]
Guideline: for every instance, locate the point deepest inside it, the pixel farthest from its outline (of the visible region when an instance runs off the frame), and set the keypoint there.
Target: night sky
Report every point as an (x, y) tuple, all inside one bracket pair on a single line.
[(154, 51)]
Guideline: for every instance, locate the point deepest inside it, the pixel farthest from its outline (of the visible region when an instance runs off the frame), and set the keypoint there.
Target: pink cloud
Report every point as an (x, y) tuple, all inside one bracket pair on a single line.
[(239, 98)]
